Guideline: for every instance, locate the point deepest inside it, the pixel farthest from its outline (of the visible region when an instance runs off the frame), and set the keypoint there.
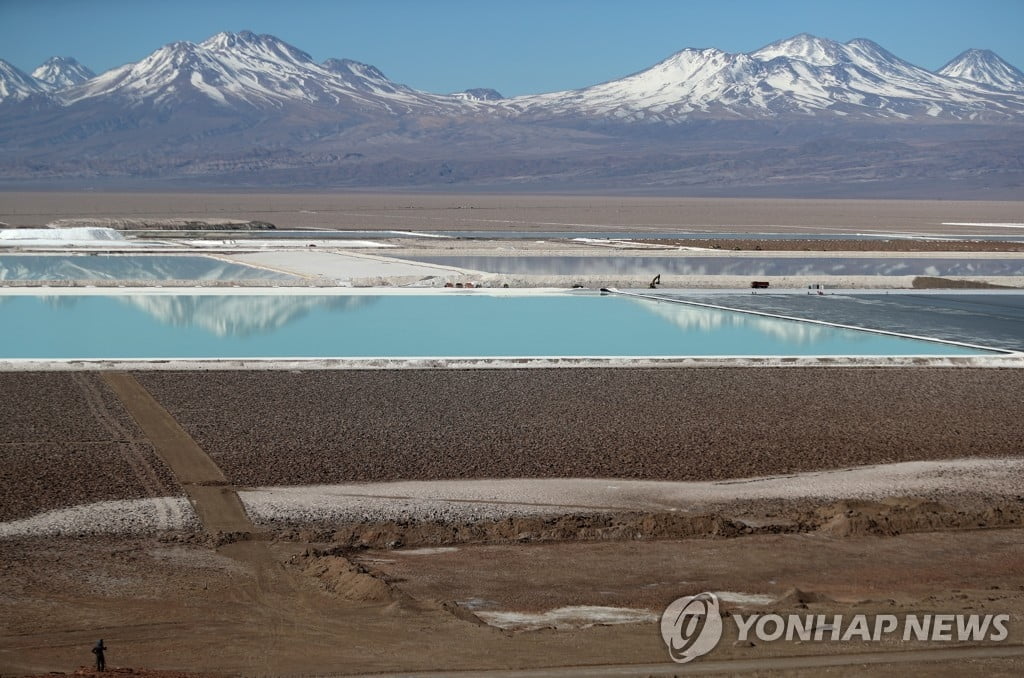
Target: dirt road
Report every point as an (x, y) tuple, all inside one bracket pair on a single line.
[(215, 502)]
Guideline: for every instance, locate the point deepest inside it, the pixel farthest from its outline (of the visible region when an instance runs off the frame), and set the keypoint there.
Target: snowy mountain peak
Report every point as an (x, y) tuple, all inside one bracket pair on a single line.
[(246, 71), (694, 57), (176, 54), (689, 67), (804, 47), (266, 47), (804, 76), (986, 67), (62, 72), (16, 85), (800, 76), (479, 94), (363, 77), (825, 53), (355, 69), (227, 39)]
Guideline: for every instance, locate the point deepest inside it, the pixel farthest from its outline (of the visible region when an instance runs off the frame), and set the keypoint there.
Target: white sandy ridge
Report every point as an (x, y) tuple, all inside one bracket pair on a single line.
[(128, 516), (496, 499)]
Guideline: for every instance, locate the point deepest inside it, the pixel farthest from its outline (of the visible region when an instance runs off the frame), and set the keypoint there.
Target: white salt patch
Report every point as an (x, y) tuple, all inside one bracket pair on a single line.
[(82, 236), (286, 244), (129, 516), (495, 499), (744, 598), (982, 223), (476, 604), (625, 243), (573, 617), (419, 234), (61, 234), (340, 265), (426, 551)]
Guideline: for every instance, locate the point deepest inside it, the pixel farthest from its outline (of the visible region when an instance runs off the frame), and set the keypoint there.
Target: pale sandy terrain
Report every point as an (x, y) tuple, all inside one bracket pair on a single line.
[(526, 212), (467, 500), (347, 266)]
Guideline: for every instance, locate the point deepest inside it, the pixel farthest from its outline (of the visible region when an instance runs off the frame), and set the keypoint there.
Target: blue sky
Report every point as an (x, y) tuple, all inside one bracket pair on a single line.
[(515, 46)]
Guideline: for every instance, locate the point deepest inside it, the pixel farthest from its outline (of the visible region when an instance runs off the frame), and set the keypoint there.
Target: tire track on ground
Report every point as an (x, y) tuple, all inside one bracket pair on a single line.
[(216, 503), (276, 597), (129, 449)]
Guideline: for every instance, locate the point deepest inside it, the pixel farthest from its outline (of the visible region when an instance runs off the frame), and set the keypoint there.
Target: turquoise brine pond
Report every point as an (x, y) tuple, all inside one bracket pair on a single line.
[(129, 326)]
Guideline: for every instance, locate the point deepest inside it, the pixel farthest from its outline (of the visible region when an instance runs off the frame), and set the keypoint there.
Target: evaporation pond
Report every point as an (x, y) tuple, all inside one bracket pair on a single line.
[(442, 324), (128, 267), (729, 265)]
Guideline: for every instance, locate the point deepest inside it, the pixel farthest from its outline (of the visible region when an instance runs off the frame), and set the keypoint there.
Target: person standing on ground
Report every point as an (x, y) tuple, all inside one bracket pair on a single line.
[(101, 662)]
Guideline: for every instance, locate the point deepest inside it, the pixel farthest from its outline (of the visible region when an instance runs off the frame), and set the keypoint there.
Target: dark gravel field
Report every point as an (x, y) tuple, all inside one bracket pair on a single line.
[(65, 439), (267, 428)]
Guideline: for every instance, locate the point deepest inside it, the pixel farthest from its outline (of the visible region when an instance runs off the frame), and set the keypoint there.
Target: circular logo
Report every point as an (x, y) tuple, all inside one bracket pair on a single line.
[(691, 626)]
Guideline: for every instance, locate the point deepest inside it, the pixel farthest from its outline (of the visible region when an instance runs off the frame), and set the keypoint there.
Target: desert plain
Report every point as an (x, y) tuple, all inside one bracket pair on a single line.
[(507, 522)]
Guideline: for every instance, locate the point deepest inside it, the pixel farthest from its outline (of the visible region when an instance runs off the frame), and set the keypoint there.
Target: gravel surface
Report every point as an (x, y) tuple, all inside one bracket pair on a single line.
[(66, 440), (299, 428)]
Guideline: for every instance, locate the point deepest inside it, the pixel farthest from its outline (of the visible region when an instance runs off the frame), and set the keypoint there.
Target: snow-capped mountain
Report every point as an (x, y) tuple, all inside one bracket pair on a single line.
[(800, 76), (248, 109), (803, 75), (986, 67), (62, 72), (16, 85), (479, 94), (250, 71)]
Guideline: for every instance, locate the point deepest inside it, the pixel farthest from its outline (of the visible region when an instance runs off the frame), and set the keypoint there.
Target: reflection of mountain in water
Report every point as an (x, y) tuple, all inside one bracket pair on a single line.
[(725, 265), (59, 301), (238, 315), (698, 319), (128, 267)]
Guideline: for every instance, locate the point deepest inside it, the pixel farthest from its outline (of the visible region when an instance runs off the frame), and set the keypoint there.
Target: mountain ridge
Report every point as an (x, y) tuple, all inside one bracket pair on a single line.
[(242, 108), (62, 72), (986, 67), (17, 85), (797, 76), (830, 77)]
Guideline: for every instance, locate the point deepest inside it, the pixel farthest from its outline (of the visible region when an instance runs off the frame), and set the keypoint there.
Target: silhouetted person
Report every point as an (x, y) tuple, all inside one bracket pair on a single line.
[(101, 662)]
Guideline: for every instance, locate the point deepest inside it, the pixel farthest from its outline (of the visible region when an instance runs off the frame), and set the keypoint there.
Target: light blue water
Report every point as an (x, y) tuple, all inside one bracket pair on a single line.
[(127, 267), (443, 325)]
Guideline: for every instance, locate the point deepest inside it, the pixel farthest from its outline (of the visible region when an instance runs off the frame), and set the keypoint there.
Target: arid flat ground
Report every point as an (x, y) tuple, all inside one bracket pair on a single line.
[(274, 428), (238, 598), (177, 603), (356, 211)]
